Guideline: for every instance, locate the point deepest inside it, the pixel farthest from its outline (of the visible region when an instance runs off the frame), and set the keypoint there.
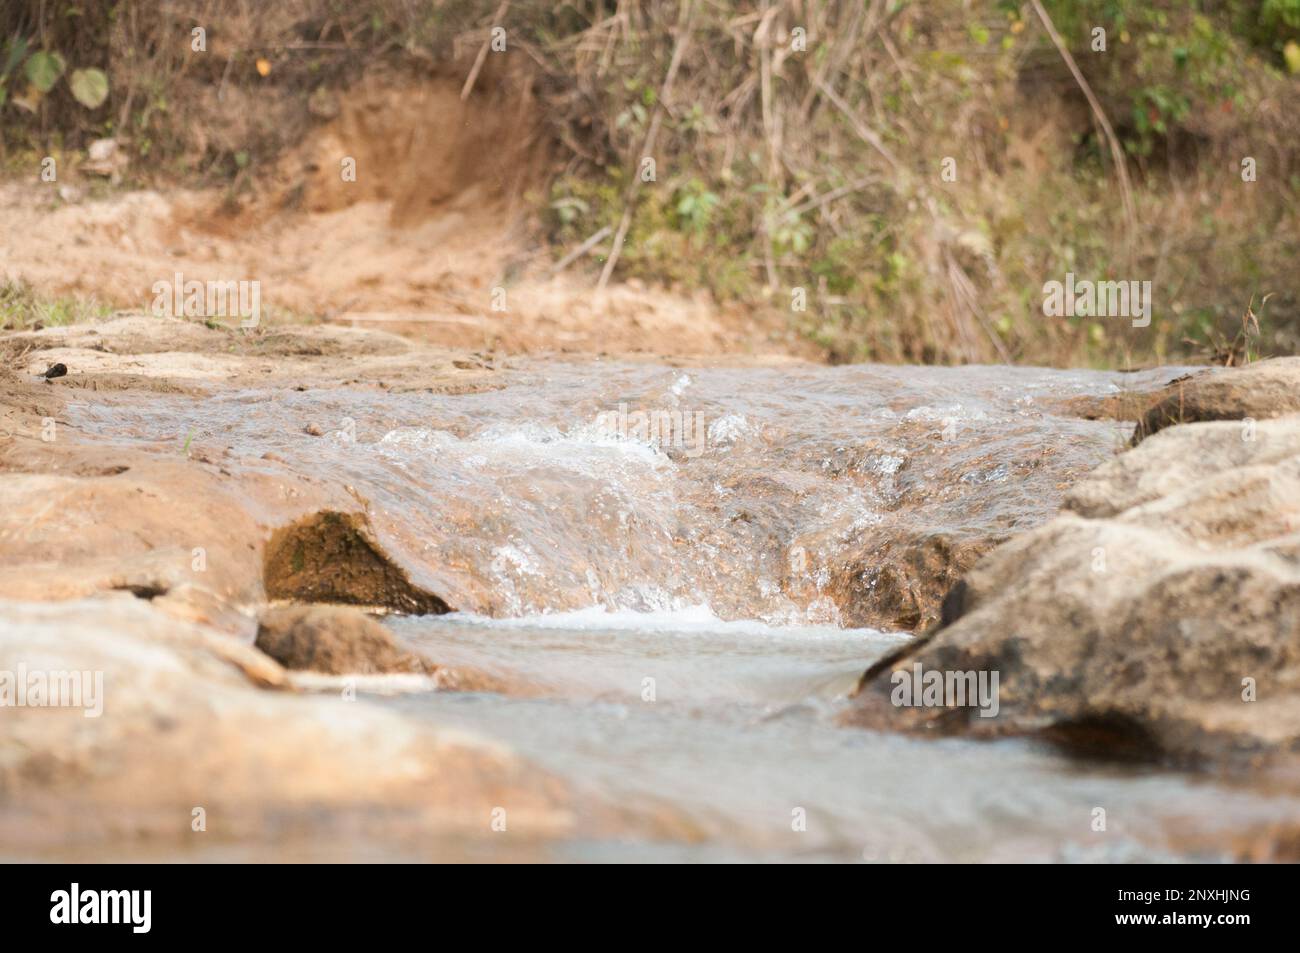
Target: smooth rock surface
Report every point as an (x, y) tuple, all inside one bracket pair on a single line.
[(185, 726), (1140, 620), (1259, 391)]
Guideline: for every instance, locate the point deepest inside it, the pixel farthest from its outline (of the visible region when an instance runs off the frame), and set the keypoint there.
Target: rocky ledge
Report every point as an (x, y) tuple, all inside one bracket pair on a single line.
[(1157, 616), (139, 578)]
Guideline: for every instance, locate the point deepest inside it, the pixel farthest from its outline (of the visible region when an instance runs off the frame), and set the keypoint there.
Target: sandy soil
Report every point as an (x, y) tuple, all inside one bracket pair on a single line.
[(432, 239)]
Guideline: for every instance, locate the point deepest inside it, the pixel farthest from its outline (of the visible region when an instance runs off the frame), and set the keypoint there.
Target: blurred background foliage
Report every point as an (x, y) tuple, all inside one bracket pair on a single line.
[(798, 145)]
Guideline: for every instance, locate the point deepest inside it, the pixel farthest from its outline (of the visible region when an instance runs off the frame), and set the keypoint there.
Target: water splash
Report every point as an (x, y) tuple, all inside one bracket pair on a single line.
[(523, 500)]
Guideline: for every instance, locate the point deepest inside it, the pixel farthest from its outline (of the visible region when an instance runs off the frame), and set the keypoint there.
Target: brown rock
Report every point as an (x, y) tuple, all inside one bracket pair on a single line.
[(1141, 620), (337, 640), (1124, 405), (899, 582), (1259, 391), (333, 557), (176, 721)]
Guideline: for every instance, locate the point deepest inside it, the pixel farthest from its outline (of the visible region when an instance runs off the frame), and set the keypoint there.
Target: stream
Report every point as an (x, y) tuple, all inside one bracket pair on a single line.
[(678, 566)]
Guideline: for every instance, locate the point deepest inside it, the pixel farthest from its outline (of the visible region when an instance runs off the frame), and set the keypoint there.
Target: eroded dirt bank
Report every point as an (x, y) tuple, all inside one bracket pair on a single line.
[(403, 208)]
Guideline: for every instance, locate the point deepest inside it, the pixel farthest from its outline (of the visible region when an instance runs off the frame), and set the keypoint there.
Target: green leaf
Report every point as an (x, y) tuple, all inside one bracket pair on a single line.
[(90, 87), (44, 69), (15, 50)]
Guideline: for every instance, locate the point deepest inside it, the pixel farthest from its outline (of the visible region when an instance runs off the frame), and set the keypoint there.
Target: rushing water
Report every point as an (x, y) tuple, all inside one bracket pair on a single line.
[(764, 497), (736, 736), (672, 604)]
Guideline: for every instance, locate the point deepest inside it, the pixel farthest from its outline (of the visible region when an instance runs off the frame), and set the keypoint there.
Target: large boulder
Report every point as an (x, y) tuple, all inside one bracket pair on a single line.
[(1258, 391), (897, 579), (1157, 615), (176, 740)]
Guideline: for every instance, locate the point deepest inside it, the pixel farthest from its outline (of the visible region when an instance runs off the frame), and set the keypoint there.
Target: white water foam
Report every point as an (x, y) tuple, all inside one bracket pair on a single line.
[(697, 619), (583, 448)]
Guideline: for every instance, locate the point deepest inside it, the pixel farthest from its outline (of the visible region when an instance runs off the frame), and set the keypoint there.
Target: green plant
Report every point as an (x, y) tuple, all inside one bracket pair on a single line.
[(23, 309), (43, 70), (15, 49)]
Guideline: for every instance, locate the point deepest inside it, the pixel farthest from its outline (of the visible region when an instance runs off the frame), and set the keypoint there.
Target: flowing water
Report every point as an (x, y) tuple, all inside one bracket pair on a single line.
[(674, 566), (766, 486)]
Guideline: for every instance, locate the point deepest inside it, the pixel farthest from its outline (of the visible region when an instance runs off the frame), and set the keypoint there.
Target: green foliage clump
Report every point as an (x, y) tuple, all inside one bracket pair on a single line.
[(23, 309)]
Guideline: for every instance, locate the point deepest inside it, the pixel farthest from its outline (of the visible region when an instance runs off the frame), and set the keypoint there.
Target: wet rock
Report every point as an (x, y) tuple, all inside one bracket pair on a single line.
[(135, 530), (184, 733), (1275, 843), (856, 497), (1155, 617), (332, 557), (900, 581), (337, 640), (1124, 405), (80, 518), (1258, 391)]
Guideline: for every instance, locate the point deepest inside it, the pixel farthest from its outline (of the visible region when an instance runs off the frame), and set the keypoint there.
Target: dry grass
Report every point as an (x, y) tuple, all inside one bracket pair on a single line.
[(22, 308)]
